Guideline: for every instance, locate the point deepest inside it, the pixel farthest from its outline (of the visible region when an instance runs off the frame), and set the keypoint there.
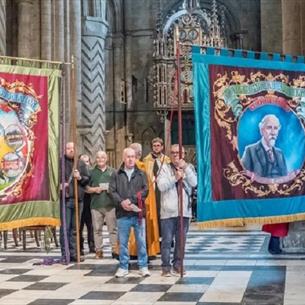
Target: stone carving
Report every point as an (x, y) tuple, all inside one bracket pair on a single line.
[(93, 87)]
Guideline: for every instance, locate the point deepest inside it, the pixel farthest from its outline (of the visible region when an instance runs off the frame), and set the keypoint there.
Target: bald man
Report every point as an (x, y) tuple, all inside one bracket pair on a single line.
[(102, 205), (129, 189), (263, 158)]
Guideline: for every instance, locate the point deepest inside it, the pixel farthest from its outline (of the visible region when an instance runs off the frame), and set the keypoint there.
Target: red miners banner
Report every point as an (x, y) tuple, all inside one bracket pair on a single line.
[(29, 133)]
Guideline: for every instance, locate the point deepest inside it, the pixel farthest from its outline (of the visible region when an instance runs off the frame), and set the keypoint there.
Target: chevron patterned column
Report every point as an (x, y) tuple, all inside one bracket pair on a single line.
[(2, 28), (93, 85)]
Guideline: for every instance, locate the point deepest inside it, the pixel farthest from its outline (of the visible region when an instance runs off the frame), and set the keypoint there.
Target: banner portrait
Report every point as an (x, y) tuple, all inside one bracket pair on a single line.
[(250, 137), (29, 146)]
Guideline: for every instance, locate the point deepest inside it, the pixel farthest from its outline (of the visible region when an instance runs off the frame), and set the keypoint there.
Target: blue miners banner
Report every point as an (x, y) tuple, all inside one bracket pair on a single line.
[(250, 119)]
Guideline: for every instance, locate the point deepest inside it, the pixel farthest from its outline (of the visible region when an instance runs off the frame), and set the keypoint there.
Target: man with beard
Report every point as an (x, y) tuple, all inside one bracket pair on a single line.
[(82, 175), (154, 161), (263, 158), (266, 160)]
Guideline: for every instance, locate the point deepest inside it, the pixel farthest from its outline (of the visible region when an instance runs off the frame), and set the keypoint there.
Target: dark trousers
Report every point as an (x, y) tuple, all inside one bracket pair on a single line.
[(86, 219), (170, 229), (70, 227), (274, 245)]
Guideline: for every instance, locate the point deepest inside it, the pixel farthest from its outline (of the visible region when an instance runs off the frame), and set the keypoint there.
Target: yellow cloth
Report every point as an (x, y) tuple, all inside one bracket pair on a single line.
[(149, 162), (152, 229)]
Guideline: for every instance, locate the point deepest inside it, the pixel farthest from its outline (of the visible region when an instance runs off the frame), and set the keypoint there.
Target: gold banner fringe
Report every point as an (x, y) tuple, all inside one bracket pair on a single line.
[(38, 221), (234, 222)]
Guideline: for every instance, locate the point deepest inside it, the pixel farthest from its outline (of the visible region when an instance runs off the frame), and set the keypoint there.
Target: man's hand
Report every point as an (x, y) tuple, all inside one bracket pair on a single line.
[(98, 190), (76, 174), (126, 205), (179, 174), (65, 185), (182, 164)]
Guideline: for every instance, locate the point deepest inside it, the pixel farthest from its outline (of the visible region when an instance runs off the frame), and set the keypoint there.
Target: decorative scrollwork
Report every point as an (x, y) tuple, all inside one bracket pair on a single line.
[(237, 177)]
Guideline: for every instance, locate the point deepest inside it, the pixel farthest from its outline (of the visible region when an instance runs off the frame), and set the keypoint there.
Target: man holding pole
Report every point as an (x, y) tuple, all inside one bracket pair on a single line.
[(167, 181), (72, 171)]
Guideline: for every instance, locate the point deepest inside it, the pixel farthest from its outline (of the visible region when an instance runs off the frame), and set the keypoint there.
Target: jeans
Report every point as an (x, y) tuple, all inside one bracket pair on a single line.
[(124, 225), (71, 227), (170, 229)]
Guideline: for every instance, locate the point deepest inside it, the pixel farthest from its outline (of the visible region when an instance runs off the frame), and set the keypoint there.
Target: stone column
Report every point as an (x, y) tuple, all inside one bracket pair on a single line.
[(2, 28), (25, 19), (46, 29), (75, 24), (119, 129), (94, 31), (271, 26), (293, 26), (58, 28)]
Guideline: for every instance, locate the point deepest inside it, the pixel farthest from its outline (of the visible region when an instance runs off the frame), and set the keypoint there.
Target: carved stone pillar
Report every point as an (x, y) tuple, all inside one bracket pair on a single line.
[(25, 21), (293, 26), (94, 31), (2, 28)]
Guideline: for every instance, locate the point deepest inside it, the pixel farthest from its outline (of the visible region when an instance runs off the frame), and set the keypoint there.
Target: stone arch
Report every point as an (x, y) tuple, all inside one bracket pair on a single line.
[(147, 135), (114, 15)]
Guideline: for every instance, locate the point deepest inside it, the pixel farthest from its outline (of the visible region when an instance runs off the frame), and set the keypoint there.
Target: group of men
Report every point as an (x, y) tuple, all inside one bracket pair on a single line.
[(137, 201)]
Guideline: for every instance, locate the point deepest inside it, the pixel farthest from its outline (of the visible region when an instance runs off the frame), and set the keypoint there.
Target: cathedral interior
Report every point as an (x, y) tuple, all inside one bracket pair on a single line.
[(124, 52)]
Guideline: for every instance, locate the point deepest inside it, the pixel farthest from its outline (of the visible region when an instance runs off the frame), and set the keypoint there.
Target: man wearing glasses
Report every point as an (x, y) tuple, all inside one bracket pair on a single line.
[(167, 182)]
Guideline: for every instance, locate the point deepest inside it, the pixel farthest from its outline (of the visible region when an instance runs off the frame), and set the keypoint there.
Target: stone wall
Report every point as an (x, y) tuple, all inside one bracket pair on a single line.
[(130, 73)]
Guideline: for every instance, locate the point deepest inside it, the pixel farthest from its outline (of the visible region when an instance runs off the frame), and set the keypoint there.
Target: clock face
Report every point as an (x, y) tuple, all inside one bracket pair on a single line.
[(193, 34)]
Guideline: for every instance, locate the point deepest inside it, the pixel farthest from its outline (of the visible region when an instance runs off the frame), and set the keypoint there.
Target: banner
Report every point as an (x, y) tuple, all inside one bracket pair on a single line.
[(250, 120), (29, 146)]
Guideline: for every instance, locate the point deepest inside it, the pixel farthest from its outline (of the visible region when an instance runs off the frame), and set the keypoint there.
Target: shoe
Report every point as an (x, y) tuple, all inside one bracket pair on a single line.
[(92, 250), (73, 259), (274, 245), (99, 254), (176, 272), (274, 252), (115, 256), (121, 272), (144, 271), (166, 273)]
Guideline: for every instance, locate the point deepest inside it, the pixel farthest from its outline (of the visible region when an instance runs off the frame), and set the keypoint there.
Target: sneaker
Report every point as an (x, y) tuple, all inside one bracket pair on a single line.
[(176, 272), (99, 254), (144, 271), (166, 273), (121, 272)]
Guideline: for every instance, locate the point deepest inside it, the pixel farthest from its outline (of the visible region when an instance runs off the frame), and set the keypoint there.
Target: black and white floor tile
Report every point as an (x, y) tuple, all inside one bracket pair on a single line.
[(223, 267)]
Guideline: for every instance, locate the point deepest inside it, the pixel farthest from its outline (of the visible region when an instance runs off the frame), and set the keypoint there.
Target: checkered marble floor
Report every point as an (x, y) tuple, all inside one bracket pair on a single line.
[(223, 267)]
